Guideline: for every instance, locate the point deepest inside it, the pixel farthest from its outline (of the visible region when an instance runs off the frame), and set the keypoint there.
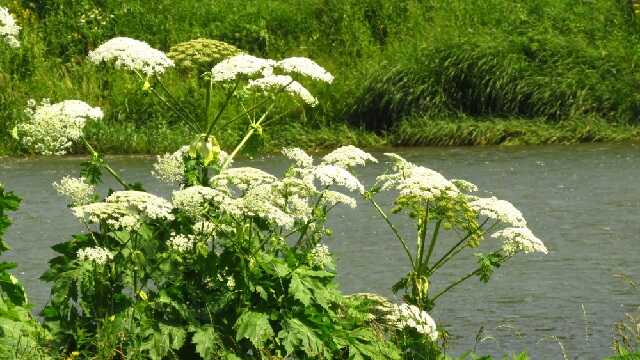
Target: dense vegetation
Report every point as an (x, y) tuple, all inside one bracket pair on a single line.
[(407, 72)]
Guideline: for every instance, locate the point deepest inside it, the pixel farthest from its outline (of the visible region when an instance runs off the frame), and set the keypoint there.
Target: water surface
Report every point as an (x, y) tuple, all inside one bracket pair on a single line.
[(583, 201)]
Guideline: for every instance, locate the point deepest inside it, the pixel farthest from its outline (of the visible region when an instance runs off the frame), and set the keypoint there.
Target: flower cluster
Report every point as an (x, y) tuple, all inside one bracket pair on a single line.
[(51, 129), (301, 158), (285, 82), (169, 168), (500, 210), (306, 67), (416, 183), (9, 30), (181, 243), (194, 200), (243, 178), (248, 66), (319, 256), (114, 215), (410, 316), (329, 175), (519, 239), (151, 206), (332, 198), (77, 190), (95, 254), (240, 65), (125, 210), (201, 54), (133, 55), (348, 156)]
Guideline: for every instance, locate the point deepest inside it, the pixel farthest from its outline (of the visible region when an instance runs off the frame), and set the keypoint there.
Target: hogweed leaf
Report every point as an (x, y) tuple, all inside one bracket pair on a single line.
[(255, 327)]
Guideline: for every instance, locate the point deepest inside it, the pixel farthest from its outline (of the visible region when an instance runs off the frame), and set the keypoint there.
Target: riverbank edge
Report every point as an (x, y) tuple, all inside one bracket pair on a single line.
[(128, 139)]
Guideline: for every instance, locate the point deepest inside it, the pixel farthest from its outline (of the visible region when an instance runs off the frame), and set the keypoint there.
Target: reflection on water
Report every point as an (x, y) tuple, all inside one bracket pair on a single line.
[(583, 201)]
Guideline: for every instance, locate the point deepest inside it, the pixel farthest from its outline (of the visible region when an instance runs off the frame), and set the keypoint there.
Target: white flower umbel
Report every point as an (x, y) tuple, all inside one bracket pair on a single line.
[(332, 198), (9, 30), (416, 182), (306, 67), (242, 177), (348, 156), (519, 239), (285, 83), (95, 254), (241, 65), (115, 215), (51, 129), (77, 191), (465, 185), (169, 168), (335, 175), (411, 316), (299, 156), (133, 55), (194, 200), (151, 206), (181, 243), (298, 207), (500, 210), (204, 228), (319, 256), (264, 202)]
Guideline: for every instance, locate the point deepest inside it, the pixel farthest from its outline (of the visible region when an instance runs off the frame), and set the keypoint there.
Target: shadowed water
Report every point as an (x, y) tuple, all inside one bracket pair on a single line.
[(583, 201)]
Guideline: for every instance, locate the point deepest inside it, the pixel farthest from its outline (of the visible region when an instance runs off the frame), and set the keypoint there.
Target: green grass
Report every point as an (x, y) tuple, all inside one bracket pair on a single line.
[(408, 72)]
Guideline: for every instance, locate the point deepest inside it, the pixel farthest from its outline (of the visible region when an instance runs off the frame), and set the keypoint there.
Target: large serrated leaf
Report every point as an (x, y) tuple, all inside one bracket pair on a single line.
[(208, 343), (255, 327), (299, 290), (296, 336)]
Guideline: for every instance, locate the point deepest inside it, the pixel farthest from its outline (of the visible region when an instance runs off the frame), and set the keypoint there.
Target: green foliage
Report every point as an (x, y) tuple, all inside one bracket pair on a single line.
[(531, 59)]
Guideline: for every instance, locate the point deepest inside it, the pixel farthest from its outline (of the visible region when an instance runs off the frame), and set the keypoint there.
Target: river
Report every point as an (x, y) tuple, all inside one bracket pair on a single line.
[(583, 201)]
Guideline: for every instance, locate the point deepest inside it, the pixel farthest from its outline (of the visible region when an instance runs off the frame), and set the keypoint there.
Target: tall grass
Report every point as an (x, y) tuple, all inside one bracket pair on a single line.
[(528, 59)]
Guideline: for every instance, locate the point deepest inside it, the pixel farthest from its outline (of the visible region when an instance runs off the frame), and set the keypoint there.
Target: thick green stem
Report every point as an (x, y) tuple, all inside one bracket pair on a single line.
[(106, 166), (246, 138), (222, 109), (432, 245), (455, 249), (207, 104), (422, 236), (393, 229)]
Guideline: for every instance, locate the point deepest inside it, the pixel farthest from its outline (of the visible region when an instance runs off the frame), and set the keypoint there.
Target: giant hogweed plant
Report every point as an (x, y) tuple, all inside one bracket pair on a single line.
[(233, 266), (437, 204)]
